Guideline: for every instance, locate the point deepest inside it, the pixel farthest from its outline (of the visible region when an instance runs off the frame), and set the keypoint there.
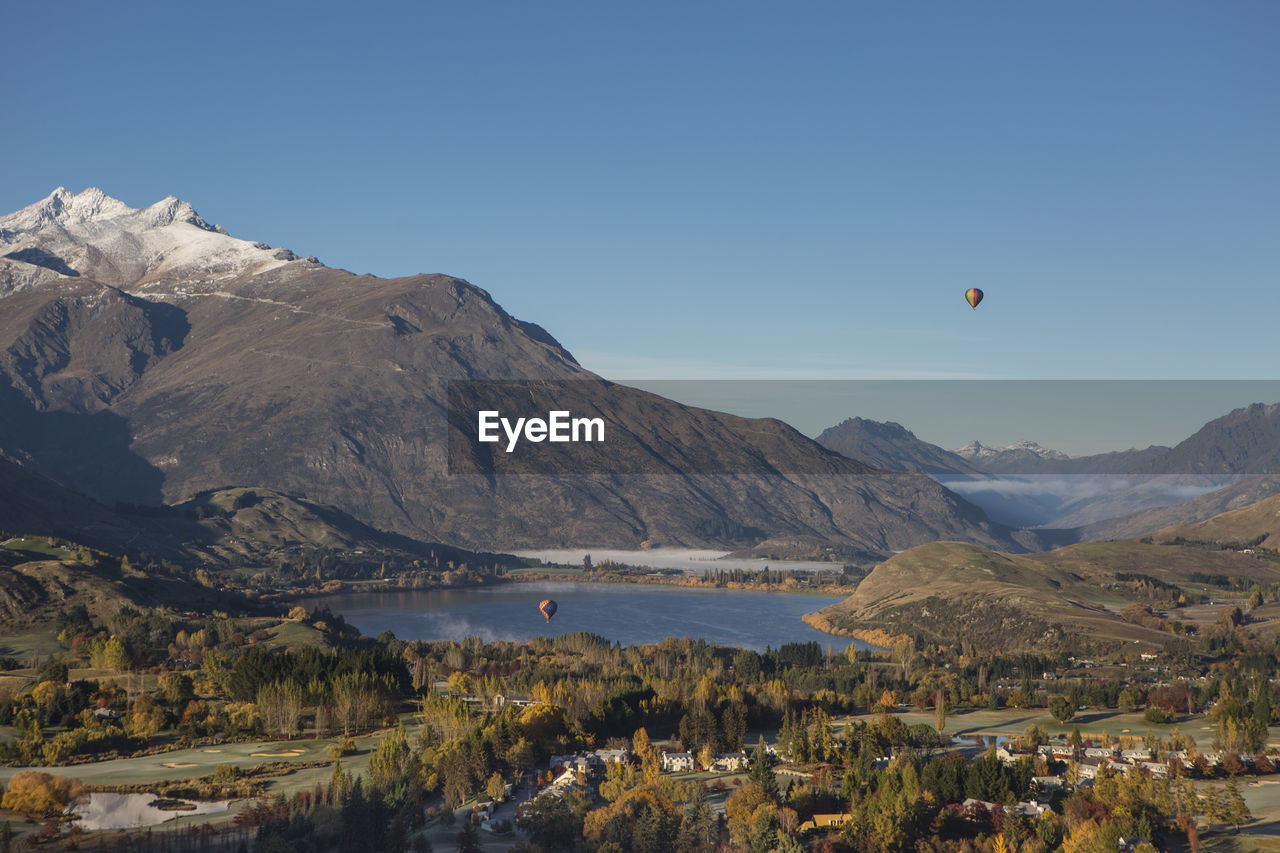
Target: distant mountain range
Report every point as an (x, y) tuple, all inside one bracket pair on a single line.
[(147, 356), (1028, 457), (1121, 493)]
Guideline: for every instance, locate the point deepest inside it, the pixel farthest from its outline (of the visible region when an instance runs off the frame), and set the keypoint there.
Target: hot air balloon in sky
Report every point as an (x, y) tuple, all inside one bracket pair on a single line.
[(548, 608), (973, 296)]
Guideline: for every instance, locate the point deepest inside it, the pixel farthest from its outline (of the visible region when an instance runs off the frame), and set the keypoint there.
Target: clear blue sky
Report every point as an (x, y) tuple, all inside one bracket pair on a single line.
[(719, 189)]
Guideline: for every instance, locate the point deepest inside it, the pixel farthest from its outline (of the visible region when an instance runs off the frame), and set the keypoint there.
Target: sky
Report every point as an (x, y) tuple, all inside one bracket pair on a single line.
[(716, 190)]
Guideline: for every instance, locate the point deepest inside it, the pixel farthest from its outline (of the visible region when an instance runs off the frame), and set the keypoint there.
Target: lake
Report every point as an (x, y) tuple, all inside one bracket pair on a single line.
[(129, 811), (625, 613), (692, 561)]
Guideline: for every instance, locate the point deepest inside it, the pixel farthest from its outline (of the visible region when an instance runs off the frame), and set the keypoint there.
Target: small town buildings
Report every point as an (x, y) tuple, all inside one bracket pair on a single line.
[(677, 762)]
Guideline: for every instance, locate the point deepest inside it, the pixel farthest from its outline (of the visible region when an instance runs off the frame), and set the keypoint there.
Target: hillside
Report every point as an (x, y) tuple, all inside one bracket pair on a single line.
[(949, 592), (1256, 526), (1243, 441), (952, 593), (36, 585), (147, 356), (215, 529)]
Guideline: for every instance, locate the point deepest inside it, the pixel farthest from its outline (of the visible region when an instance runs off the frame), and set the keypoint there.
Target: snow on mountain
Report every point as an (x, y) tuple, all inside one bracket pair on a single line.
[(68, 235), (977, 450)]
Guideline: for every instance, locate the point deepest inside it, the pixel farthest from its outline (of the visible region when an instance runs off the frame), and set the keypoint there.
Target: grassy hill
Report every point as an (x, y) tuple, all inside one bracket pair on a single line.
[(1121, 591), (39, 578), (1256, 526)]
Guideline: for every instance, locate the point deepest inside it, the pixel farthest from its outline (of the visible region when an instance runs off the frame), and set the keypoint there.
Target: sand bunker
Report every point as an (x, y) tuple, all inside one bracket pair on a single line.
[(293, 753), (178, 765)]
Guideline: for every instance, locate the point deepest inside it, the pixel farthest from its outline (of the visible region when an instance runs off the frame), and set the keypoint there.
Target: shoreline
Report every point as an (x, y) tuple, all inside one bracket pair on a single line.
[(683, 581), (877, 638)]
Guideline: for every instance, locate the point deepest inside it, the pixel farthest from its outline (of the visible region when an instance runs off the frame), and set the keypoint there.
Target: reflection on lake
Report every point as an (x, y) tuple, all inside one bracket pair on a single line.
[(625, 613), (129, 811)]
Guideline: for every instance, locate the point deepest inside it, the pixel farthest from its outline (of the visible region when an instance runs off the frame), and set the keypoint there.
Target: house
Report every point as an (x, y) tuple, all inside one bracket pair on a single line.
[(677, 762), (1030, 809), (1008, 756), (611, 756), (1135, 755), (1156, 769), (730, 762), (825, 821), (1047, 783), (584, 761), (1098, 752), (1149, 655)]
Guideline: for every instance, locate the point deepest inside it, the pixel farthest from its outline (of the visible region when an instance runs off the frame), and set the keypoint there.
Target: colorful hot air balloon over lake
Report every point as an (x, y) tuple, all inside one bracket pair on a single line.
[(973, 296), (548, 608)]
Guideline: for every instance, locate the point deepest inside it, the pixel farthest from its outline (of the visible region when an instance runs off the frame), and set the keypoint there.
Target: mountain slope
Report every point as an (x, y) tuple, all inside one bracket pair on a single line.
[(893, 447), (1244, 441), (1254, 526), (150, 356), (1198, 509), (215, 529)]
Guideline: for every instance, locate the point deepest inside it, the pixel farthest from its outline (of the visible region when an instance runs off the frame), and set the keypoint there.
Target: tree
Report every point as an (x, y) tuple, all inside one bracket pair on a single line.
[(38, 795), (469, 839), (700, 827), (762, 773), (1077, 742), (940, 709), (495, 786), (1061, 708), (1236, 810), (644, 750), (280, 704), (146, 717), (390, 758)]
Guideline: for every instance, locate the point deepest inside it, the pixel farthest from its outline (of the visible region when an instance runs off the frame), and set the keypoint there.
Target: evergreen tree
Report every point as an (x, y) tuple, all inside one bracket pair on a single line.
[(469, 839), (761, 773), (1236, 809)]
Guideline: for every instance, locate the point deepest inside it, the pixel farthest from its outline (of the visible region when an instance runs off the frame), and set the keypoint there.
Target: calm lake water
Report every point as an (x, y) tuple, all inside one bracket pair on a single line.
[(684, 559), (626, 613), (129, 811)]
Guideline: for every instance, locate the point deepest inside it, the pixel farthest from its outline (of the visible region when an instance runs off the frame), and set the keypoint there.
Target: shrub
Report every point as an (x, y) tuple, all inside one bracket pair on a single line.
[(344, 747)]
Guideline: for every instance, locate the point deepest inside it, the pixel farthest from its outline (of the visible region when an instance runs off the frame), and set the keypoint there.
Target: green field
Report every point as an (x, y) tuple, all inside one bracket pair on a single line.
[(37, 549), (1010, 722)]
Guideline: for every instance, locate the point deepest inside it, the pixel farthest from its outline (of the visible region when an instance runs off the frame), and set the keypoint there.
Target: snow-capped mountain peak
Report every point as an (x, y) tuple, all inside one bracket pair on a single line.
[(68, 235), (94, 207), (978, 450)]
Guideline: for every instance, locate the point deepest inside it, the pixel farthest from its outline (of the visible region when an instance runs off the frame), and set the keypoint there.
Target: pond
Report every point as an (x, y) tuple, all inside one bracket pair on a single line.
[(130, 811)]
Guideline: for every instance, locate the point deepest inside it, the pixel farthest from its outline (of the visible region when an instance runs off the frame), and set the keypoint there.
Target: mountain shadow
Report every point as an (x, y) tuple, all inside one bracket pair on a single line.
[(88, 452)]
